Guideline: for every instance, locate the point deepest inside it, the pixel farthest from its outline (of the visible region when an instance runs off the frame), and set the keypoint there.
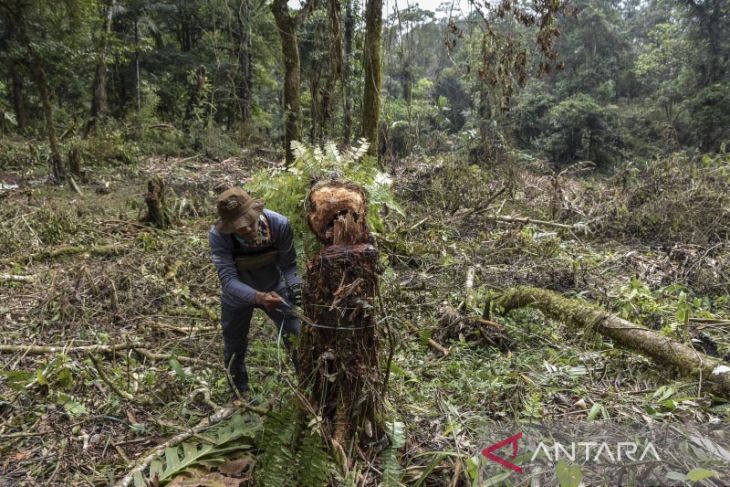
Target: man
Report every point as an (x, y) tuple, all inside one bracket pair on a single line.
[(253, 252)]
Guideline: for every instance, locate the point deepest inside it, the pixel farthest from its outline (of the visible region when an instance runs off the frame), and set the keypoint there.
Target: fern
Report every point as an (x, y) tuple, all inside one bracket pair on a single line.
[(277, 466), (292, 455), (234, 435), (392, 471), (285, 189), (314, 463)]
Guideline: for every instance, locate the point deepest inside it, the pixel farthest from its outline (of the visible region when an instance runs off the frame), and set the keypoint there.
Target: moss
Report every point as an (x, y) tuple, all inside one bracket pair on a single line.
[(663, 350)]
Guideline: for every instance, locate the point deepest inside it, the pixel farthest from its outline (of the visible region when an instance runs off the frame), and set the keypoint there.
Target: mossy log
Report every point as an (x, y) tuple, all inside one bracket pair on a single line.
[(663, 350), (338, 352)]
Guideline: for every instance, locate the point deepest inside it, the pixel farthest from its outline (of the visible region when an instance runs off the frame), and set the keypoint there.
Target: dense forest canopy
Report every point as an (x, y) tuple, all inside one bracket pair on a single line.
[(621, 78)]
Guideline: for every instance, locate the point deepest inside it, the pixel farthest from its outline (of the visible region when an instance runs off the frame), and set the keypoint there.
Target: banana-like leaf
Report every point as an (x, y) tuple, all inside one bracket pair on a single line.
[(232, 436)]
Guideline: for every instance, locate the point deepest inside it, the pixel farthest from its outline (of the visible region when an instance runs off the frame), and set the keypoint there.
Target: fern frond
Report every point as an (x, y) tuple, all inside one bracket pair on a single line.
[(392, 471)]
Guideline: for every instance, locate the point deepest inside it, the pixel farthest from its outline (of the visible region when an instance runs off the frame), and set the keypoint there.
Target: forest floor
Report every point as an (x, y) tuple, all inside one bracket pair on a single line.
[(80, 270)]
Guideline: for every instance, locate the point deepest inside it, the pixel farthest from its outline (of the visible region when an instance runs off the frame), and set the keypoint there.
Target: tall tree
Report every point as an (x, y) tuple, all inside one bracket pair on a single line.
[(347, 71), (99, 98), (373, 74), (288, 24)]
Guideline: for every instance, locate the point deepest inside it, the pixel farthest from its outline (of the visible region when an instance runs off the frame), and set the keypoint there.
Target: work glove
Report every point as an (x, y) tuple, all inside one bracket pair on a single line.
[(295, 295)]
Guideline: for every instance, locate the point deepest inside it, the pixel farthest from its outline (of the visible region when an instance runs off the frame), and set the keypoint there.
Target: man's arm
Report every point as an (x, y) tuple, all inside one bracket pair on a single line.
[(287, 260), (222, 257)]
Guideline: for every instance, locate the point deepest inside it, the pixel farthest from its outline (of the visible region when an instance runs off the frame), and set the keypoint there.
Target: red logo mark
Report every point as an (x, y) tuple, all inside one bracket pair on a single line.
[(487, 452)]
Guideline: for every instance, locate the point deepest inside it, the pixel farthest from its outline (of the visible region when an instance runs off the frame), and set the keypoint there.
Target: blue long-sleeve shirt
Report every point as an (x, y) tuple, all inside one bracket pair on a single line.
[(239, 288)]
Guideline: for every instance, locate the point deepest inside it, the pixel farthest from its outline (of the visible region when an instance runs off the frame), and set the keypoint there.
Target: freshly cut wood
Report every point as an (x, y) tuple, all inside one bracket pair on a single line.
[(663, 350), (338, 352), (337, 204)]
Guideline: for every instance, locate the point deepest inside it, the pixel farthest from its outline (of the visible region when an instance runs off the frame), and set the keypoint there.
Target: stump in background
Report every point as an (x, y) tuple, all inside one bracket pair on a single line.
[(338, 353), (157, 212)]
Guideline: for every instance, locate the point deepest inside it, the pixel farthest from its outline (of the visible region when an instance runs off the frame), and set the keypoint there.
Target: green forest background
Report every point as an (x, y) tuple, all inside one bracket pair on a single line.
[(118, 79)]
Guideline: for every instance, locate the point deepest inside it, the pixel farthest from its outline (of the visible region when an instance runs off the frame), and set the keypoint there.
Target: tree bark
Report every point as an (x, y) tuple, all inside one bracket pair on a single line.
[(373, 75), (196, 91), (347, 72), (18, 97), (287, 25), (338, 351), (99, 96), (56, 162), (663, 350), (245, 61), (157, 213)]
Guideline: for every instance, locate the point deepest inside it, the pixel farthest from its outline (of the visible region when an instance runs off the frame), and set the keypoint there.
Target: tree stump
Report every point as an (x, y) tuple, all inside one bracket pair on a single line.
[(157, 212), (338, 352)]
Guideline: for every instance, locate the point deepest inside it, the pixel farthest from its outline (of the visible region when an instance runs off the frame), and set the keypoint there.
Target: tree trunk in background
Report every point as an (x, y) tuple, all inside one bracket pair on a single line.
[(287, 25), (335, 74), (245, 61), (195, 94), (18, 97), (338, 351), (57, 167), (99, 98), (373, 75), (347, 71), (136, 65)]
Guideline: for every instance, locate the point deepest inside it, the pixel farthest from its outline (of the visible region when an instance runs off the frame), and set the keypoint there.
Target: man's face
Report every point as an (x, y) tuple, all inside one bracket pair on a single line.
[(249, 231)]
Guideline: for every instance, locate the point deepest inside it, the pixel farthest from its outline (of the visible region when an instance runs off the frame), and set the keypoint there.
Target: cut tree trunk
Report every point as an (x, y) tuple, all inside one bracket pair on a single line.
[(339, 348), (663, 350), (157, 212)]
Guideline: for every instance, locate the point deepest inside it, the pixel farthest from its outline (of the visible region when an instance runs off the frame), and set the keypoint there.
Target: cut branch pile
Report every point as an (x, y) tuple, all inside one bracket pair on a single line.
[(662, 349)]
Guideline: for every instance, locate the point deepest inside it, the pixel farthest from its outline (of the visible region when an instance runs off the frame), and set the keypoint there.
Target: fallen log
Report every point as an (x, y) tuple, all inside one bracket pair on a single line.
[(663, 350)]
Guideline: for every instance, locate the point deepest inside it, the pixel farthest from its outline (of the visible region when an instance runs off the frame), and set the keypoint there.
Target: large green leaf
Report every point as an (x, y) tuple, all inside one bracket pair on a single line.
[(232, 436)]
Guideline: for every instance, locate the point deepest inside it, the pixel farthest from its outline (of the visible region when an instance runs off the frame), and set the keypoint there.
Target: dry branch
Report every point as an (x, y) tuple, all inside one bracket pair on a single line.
[(663, 350), (43, 349), (14, 278), (581, 227), (67, 250)]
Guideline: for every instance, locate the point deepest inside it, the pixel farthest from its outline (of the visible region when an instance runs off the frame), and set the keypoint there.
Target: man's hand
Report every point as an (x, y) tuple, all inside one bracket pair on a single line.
[(269, 301)]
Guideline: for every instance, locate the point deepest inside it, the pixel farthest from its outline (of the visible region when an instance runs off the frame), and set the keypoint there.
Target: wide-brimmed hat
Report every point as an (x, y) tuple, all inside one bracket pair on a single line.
[(236, 209)]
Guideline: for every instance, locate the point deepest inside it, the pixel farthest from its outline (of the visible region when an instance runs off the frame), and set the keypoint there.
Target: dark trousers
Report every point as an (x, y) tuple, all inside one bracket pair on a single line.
[(236, 321)]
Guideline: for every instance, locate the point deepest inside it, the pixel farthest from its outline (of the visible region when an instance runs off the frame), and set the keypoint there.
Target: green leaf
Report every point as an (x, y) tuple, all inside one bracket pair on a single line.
[(177, 368), (597, 409), (697, 474), (568, 475)]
